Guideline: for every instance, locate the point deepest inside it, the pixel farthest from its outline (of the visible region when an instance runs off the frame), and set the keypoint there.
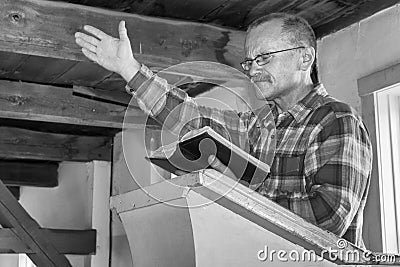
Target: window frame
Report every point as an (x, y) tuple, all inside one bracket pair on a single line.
[(378, 225)]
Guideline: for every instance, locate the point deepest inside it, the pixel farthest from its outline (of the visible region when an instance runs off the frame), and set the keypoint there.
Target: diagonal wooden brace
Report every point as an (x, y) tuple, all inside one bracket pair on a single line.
[(13, 215)]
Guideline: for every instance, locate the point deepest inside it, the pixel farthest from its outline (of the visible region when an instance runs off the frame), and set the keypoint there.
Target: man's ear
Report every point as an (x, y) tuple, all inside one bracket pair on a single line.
[(307, 59)]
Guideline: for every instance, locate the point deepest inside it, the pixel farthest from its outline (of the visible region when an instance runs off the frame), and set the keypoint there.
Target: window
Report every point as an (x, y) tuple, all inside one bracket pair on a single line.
[(388, 148), (380, 98)]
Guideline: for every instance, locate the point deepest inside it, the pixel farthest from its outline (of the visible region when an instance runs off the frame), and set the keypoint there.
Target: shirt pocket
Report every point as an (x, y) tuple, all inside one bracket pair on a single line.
[(287, 173)]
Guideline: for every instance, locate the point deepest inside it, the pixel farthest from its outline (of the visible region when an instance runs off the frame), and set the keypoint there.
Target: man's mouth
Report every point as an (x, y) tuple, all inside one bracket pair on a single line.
[(261, 78)]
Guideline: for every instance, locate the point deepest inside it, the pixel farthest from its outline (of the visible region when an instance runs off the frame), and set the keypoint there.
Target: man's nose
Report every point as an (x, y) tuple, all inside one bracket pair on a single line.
[(255, 69)]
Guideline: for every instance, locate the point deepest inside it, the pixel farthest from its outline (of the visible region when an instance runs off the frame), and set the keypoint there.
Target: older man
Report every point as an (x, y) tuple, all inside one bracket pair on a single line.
[(323, 154)]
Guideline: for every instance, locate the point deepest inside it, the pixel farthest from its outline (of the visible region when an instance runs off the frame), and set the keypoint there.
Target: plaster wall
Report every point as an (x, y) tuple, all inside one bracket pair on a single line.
[(67, 206), (358, 50)]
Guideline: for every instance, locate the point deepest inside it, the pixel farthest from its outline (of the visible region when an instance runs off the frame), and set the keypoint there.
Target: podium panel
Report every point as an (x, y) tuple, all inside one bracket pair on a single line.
[(207, 219)]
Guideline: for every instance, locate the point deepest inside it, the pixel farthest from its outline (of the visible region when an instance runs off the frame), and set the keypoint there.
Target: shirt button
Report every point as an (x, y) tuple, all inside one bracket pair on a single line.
[(272, 136)]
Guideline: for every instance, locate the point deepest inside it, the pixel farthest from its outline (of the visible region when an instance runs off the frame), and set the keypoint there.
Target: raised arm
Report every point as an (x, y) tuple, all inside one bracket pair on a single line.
[(168, 104)]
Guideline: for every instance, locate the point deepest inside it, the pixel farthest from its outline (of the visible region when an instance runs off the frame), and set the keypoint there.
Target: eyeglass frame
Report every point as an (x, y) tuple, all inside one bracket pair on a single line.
[(243, 63)]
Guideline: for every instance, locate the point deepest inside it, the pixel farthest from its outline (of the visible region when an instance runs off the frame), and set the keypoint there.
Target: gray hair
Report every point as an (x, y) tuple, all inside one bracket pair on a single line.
[(297, 30)]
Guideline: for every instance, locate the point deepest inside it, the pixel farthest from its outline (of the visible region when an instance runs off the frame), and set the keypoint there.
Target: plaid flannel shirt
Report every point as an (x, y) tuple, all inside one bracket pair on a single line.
[(323, 155)]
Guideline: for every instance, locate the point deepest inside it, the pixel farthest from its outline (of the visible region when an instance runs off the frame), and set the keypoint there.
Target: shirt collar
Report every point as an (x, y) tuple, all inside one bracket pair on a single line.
[(310, 102)]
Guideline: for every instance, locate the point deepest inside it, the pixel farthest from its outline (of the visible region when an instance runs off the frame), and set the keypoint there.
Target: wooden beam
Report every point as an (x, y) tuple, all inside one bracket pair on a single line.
[(359, 12), (35, 102), (15, 191), (20, 173), (13, 215), (46, 28), (110, 96), (16, 143), (75, 242)]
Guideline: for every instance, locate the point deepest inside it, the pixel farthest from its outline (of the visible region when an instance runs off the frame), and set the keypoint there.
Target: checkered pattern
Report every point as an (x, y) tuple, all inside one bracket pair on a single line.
[(323, 155)]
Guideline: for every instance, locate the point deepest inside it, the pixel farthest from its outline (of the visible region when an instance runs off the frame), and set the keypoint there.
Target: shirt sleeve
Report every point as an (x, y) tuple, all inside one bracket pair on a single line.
[(175, 110), (337, 168)]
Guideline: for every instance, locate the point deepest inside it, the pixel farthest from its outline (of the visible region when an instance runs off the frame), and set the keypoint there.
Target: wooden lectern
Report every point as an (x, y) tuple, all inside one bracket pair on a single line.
[(207, 219)]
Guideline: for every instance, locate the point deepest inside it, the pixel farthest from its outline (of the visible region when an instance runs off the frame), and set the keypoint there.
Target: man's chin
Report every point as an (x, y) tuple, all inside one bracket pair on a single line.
[(264, 90)]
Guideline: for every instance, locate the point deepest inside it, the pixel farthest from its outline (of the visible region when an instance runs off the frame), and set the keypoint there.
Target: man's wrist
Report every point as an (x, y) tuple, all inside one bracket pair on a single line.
[(129, 70)]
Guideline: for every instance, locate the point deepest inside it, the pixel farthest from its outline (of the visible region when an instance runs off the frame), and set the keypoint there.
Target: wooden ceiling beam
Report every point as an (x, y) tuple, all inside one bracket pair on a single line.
[(44, 103), (17, 143), (45, 28), (74, 242), (22, 173)]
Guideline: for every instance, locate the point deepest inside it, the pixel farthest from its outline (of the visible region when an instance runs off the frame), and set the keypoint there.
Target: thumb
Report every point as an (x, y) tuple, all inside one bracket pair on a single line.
[(123, 33), (216, 164)]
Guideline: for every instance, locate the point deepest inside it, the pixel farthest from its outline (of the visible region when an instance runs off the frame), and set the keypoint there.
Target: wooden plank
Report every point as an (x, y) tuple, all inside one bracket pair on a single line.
[(10, 62), (362, 11), (36, 102), (16, 143), (63, 128), (75, 242), (27, 229), (184, 9), (47, 29), (101, 172), (113, 82), (84, 73), (15, 191), (41, 69), (112, 96), (379, 80), (23, 173)]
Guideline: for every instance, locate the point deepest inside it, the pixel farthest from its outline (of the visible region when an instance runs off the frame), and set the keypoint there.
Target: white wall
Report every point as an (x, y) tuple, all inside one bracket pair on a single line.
[(356, 51), (67, 206)]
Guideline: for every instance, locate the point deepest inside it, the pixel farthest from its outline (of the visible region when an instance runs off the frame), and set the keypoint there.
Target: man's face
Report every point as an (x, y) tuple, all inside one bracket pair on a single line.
[(278, 77)]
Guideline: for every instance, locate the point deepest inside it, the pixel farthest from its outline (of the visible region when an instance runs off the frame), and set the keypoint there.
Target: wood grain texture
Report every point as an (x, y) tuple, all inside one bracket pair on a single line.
[(41, 69), (36, 102), (10, 62), (83, 73), (47, 29), (118, 97), (28, 230), (23, 173), (18, 143), (74, 242)]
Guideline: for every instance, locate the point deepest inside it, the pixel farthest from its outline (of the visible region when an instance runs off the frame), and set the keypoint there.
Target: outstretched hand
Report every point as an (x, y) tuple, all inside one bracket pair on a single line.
[(111, 53)]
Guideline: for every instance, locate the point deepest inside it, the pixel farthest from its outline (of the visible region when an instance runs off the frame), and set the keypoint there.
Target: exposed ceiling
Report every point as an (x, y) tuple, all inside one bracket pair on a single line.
[(63, 65), (325, 16)]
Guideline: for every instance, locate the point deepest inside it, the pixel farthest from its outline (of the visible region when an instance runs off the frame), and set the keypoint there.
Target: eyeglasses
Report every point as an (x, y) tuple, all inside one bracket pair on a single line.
[(263, 59)]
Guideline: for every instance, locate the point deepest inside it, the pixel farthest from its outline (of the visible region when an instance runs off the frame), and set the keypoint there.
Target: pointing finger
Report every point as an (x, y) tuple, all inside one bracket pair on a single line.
[(96, 32)]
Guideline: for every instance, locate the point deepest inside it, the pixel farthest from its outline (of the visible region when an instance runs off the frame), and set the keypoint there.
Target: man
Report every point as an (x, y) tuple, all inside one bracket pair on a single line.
[(323, 154)]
